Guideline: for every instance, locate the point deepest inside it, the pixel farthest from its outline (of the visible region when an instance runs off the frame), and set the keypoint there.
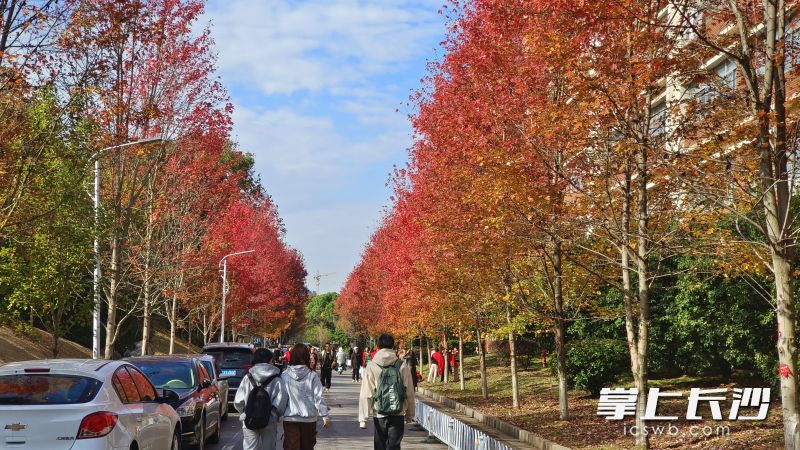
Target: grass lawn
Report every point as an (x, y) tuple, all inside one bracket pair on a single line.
[(538, 412)]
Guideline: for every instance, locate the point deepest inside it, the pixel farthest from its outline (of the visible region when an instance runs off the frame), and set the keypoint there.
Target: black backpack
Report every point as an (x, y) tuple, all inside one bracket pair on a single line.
[(258, 408)]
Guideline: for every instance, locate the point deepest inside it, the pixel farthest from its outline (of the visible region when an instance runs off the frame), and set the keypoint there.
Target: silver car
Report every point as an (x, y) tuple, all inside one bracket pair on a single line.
[(84, 404)]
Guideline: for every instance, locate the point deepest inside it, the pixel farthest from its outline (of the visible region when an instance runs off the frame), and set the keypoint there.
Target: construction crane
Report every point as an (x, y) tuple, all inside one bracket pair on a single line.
[(319, 276)]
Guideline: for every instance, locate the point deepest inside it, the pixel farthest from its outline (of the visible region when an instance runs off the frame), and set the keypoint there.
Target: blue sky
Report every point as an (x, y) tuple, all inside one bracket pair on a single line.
[(316, 85)]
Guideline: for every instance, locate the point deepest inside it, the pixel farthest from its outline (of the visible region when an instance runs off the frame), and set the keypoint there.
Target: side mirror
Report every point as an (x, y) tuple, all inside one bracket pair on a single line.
[(168, 396), (206, 384)]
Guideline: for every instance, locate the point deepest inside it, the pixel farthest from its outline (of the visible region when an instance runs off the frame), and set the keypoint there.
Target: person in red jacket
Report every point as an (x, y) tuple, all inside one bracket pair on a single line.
[(454, 364), (368, 356), (438, 359)]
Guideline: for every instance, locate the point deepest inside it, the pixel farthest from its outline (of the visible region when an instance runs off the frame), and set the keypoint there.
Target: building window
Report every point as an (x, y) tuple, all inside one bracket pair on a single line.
[(792, 43), (658, 119), (726, 71), (704, 92)]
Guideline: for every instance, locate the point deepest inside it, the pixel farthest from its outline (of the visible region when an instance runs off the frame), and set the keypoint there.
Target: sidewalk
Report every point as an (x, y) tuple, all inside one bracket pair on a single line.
[(344, 433)]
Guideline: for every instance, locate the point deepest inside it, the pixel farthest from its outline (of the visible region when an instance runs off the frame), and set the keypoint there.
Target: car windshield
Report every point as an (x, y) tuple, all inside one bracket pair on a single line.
[(233, 356), (168, 374), (26, 389)]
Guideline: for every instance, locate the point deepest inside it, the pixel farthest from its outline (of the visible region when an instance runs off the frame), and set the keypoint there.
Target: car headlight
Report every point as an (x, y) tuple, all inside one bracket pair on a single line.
[(187, 409)]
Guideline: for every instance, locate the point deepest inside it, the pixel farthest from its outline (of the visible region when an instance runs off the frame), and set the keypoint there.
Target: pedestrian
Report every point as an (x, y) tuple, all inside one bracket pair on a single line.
[(305, 403), (262, 374), (355, 364), (441, 363), (436, 361), (314, 359), (277, 358), (326, 372), (387, 394), (454, 364), (411, 360), (341, 360)]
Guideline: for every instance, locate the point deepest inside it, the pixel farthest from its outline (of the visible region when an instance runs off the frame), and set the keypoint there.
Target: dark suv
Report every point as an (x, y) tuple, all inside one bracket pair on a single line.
[(235, 359), (198, 402)]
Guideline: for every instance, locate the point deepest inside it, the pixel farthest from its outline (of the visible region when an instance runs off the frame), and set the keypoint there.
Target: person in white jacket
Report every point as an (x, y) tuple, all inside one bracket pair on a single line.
[(305, 404), (267, 437), (341, 360)]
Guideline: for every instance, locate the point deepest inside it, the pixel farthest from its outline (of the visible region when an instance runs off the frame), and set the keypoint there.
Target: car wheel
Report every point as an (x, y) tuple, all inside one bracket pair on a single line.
[(225, 414), (201, 435), (176, 441)]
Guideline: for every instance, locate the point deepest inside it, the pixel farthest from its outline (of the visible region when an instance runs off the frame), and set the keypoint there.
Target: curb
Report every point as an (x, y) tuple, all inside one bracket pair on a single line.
[(493, 422)]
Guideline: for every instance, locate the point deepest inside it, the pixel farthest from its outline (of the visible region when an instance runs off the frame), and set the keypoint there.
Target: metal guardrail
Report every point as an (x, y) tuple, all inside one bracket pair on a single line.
[(454, 433)]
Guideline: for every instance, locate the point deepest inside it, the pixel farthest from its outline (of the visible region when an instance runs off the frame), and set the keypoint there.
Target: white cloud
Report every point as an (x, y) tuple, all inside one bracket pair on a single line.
[(284, 46), (293, 144), (316, 85)]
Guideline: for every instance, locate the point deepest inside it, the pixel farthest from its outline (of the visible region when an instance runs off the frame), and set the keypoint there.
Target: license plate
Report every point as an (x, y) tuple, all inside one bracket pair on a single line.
[(228, 372)]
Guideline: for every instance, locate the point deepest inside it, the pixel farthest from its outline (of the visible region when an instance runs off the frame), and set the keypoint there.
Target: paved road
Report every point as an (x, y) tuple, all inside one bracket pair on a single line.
[(343, 434)]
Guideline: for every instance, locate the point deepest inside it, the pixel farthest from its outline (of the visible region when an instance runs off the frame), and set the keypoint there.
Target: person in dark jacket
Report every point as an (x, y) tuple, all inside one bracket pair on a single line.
[(411, 360), (326, 360), (355, 363)]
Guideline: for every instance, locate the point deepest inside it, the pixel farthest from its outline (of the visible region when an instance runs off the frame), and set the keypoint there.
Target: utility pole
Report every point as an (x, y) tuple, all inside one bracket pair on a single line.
[(96, 246), (224, 263), (319, 276)]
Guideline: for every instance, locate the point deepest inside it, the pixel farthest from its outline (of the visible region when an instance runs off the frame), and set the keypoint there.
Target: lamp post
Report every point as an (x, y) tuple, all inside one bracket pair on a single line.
[(96, 281), (224, 263)]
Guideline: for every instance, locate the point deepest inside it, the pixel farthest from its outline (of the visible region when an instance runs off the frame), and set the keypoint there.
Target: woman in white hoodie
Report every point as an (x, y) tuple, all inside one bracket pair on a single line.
[(305, 403)]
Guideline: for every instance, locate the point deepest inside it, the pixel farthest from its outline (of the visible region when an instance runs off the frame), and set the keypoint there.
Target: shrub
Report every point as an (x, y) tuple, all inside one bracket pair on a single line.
[(527, 351), (593, 364)]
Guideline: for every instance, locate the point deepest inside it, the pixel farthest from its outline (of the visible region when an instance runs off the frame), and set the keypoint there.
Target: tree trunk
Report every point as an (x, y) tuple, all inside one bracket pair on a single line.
[(461, 359), (482, 358), (428, 354), (446, 358), (173, 313), (560, 330), (642, 439), (147, 315), (421, 359), (512, 356), (205, 329), (787, 350), (113, 295), (56, 343)]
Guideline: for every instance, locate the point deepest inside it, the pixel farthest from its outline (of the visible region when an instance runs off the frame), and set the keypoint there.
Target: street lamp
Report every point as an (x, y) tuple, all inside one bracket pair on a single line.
[(96, 284), (224, 263)]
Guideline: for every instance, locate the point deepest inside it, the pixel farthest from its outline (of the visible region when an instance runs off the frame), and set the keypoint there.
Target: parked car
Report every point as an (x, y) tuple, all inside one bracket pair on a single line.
[(212, 365), (235, 360), (84, 404), (198, 402)]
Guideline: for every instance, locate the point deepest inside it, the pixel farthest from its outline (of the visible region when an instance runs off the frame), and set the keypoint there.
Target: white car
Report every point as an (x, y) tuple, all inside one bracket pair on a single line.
[(84, 404)]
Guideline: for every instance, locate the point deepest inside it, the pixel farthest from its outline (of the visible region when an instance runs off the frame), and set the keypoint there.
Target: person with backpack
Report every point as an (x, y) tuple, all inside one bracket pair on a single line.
[(305, 403), (260, 399), (326, 363), (387, 393)]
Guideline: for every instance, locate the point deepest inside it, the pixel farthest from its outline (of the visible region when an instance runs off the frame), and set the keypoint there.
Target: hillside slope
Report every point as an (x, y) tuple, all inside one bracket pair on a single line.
[(18, 347)]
